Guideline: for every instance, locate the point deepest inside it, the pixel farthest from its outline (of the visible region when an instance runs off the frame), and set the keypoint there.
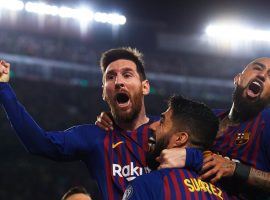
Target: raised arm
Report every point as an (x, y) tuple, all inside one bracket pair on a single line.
[(62, 145)]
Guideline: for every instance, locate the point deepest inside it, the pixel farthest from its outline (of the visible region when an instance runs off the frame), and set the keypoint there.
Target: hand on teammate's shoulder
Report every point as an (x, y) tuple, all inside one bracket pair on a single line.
[(4, 71)]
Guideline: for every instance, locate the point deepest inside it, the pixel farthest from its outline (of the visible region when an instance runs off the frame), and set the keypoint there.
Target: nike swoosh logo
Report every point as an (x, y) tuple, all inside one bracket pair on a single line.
[(117, 144)]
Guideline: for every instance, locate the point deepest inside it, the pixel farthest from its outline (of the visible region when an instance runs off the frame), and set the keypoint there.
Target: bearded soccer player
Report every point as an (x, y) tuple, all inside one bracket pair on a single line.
[(185, 124), (243, 136), (112, 157)]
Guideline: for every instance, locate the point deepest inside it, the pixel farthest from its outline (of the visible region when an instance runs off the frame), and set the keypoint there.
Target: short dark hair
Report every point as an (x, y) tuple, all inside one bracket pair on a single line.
[(75, 190), (196, 119), (127, 53)]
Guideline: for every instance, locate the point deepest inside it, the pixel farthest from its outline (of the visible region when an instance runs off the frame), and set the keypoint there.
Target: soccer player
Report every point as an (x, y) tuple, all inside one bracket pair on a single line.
[(185, 124), (76, 193), (244, 133), (112, 157), (243, 136)]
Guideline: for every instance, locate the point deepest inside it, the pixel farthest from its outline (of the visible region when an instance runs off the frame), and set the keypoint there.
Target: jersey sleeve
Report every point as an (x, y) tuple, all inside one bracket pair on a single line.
[(65, 145), (148, 186)]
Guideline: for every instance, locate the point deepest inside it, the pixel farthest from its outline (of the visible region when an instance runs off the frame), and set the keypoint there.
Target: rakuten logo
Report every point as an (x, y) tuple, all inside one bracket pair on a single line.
[(130, 171)]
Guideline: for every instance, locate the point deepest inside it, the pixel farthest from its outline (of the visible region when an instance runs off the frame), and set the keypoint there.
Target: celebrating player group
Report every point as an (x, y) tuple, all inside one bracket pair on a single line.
[(188, 152)]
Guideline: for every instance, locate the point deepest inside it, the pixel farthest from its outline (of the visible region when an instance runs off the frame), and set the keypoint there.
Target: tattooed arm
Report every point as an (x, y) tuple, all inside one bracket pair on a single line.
[(259, 179), (217, 167)]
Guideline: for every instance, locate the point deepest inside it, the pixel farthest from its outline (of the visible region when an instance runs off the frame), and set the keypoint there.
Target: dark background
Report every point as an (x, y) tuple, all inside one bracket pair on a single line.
[(49, 55)]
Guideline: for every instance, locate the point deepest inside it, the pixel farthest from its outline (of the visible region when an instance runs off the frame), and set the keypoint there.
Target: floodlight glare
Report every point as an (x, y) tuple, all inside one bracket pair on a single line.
[(11, 5), (83, 14), (100, 17), (111, 18), (66, 12), (41, 8), (236, 33), (116, 19)]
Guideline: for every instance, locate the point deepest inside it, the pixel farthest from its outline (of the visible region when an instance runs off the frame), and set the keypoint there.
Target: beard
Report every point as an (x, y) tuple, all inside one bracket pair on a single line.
[(247, 108), (127, 116), (151, 156)]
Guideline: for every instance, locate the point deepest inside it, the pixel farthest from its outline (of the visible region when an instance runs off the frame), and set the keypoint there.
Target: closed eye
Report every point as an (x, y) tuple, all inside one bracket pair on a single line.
[(257, 68)]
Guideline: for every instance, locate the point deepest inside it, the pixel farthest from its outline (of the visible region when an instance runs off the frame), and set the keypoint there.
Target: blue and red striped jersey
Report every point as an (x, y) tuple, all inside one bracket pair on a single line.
[(167, 184), (113, 158), (247, 142)]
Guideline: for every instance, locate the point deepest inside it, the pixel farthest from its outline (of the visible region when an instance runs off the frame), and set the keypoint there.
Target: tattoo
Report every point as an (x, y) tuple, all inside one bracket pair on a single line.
[(228, 165), (259, 179)]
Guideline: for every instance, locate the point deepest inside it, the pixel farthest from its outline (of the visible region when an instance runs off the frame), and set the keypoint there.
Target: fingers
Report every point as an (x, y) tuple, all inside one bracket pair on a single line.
[(209, 173), (100, 125), (164, 165), (104, 121), (172, 158), (216, 178), (208, 165), (4, 67), (208, 158)]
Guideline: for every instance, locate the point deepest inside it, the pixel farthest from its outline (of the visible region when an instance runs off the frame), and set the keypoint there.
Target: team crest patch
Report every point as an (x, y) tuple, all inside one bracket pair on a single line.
[(242, 138), (128, 193)]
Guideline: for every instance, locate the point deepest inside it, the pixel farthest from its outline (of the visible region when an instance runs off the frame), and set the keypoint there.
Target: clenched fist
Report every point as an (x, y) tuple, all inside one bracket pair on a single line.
[(4, 71)]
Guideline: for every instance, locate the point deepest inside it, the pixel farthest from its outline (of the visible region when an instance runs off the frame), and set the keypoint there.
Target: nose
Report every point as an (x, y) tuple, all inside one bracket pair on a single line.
[(118, 82), (262, 76), (153, 126)]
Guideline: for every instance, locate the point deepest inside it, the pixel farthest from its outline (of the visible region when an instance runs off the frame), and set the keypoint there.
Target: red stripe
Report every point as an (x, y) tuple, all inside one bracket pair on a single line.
[(227, 141), (251, 140), (140, 149), (109, 181), (167, 192), (257, 142), (144, 149), (235, 151), (175, 184), (187, 192), (118, 152), (145, 137)]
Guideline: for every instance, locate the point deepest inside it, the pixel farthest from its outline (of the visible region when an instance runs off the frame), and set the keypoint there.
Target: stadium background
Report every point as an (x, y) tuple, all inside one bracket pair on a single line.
[(55, 70)]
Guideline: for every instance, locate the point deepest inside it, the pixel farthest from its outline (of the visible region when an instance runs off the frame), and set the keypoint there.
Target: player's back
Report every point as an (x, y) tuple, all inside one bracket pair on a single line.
[(173, 184)]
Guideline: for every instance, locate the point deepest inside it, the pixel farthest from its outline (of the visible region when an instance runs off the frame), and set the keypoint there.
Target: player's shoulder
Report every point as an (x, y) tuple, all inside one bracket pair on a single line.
[(181, 172), (147, 186), (151, 179), (87, 128)]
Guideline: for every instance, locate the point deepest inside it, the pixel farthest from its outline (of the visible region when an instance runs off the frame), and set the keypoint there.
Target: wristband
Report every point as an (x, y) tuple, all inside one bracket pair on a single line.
[(194, 159), (241, 172)]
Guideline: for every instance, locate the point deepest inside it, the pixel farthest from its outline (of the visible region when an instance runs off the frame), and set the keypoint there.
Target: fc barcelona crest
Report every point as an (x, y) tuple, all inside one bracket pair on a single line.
[(242, 138)]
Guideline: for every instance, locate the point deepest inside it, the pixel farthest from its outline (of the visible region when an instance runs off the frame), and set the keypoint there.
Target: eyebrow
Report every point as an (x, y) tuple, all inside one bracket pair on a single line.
[(259, 64), (126, 69)]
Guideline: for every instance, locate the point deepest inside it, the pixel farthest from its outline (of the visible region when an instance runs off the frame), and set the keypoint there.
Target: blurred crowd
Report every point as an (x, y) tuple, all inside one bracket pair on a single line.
[(85, 52)]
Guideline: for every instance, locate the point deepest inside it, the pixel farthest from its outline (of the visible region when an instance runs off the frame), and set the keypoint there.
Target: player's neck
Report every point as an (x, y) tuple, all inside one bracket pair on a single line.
[(236, 117), (136, 123)]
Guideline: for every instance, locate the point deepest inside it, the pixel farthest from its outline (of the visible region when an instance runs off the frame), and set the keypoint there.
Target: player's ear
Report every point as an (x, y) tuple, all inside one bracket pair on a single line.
[(180, 139), (145, 87), (236, 79)]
